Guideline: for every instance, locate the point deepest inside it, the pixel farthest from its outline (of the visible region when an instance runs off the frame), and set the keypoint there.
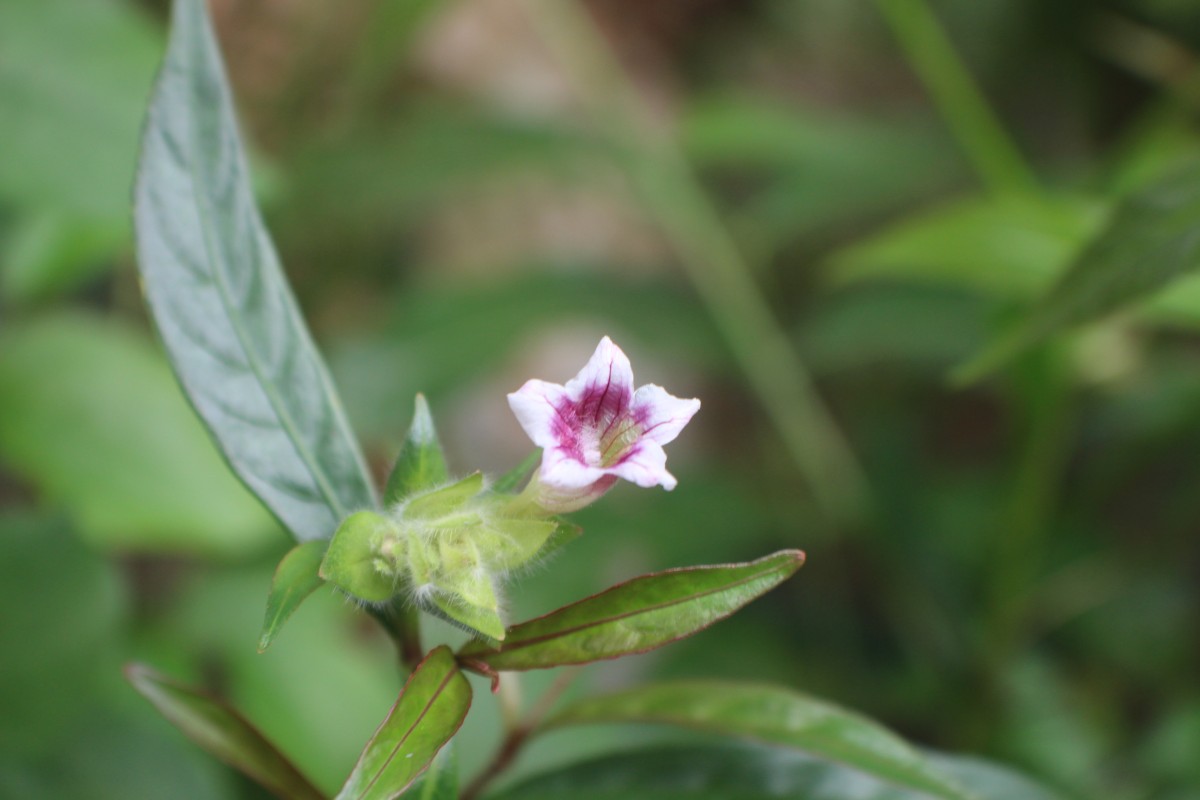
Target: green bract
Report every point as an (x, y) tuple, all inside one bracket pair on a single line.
[(445, 548)]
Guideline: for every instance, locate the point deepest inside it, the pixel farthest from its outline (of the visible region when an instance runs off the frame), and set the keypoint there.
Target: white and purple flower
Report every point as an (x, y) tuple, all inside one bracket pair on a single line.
[(596, 429)]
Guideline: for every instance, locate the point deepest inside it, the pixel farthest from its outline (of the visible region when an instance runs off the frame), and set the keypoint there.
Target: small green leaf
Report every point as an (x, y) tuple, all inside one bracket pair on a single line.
[(222, 304), (751, 772), (1152, 240), (432, 706), (509, 481), (223, 732), (421, 464), (771, 715), (353, 561), (476, 619), (296, 577), (635, 616), (447, 500)]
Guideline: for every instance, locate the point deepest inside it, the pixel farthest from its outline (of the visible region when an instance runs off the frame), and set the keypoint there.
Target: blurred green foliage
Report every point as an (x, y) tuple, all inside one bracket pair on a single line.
[(1024, 581)]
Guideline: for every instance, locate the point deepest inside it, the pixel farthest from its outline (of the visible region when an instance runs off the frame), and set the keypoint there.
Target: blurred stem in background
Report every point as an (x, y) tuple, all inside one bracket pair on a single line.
[(672, 192), (979, 131)]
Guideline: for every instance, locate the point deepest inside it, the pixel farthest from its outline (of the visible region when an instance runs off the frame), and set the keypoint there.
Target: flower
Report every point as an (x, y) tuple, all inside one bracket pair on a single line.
[(596, 429)]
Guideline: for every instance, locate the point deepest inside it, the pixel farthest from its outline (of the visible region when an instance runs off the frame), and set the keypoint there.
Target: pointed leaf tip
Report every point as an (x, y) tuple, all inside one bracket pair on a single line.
[(296, 577), (636, 616)]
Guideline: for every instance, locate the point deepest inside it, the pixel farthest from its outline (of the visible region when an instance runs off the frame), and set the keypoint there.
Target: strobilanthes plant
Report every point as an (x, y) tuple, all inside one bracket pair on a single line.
[(446, 544)]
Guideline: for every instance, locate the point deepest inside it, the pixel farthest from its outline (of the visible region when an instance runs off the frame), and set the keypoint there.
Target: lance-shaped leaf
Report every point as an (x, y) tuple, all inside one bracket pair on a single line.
[(751, 773), (773, 715), (222, 305), (296, 577), (633, 617), (429, 712), (421, 464), (1152, 239), (222, 732)]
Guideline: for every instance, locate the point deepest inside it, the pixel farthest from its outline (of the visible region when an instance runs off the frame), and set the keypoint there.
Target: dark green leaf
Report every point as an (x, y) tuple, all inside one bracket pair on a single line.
[(509, 481), (421, 464), (296, 577), (432, 706), (222, 732), (221, 302), (750, 773), (771, 715), (635, 616), (1152, 240), (90, 415)]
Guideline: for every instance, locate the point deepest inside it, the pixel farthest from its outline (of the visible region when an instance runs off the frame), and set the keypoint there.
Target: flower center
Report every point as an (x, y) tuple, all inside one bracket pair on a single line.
[(617, 438)]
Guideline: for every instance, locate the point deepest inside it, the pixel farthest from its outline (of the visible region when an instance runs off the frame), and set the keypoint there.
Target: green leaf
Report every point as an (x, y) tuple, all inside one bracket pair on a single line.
[(49, 252), (352, 562), (222, 732), (633, 617), (421, 464), (1010, 247), (509, 481), (440, 781), (432, 706), (1152, 240), (771, 715), (296, 577), (221, 302), (750, 773), (91, 417), (73, 84)]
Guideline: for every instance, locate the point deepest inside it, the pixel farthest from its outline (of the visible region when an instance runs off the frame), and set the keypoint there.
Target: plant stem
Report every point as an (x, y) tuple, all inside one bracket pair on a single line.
[(518, 734), (672, 192), (403, 625), (979, 131)]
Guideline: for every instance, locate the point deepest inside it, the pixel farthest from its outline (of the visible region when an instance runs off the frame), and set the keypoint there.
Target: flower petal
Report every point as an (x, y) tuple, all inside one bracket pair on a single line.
[(536, 406), (563, 470), (603, 389), (645, 465), (661, 415)]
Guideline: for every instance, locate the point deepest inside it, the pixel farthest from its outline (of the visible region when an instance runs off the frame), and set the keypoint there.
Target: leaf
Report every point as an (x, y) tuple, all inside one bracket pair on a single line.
[(91, 417), (771, 715), (749, 773), (1011, 247), (222, 305), (440, 781), (296, 577), (73, 84), (432, 706), (635, 616), (1152, 240), (223, 732), (421, 464)]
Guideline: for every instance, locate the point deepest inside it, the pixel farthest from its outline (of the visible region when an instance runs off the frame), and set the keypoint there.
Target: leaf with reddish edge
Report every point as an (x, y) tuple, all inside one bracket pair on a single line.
[(632, 617), (431, 708), (222, 732), (296, 577), (772, 715)]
